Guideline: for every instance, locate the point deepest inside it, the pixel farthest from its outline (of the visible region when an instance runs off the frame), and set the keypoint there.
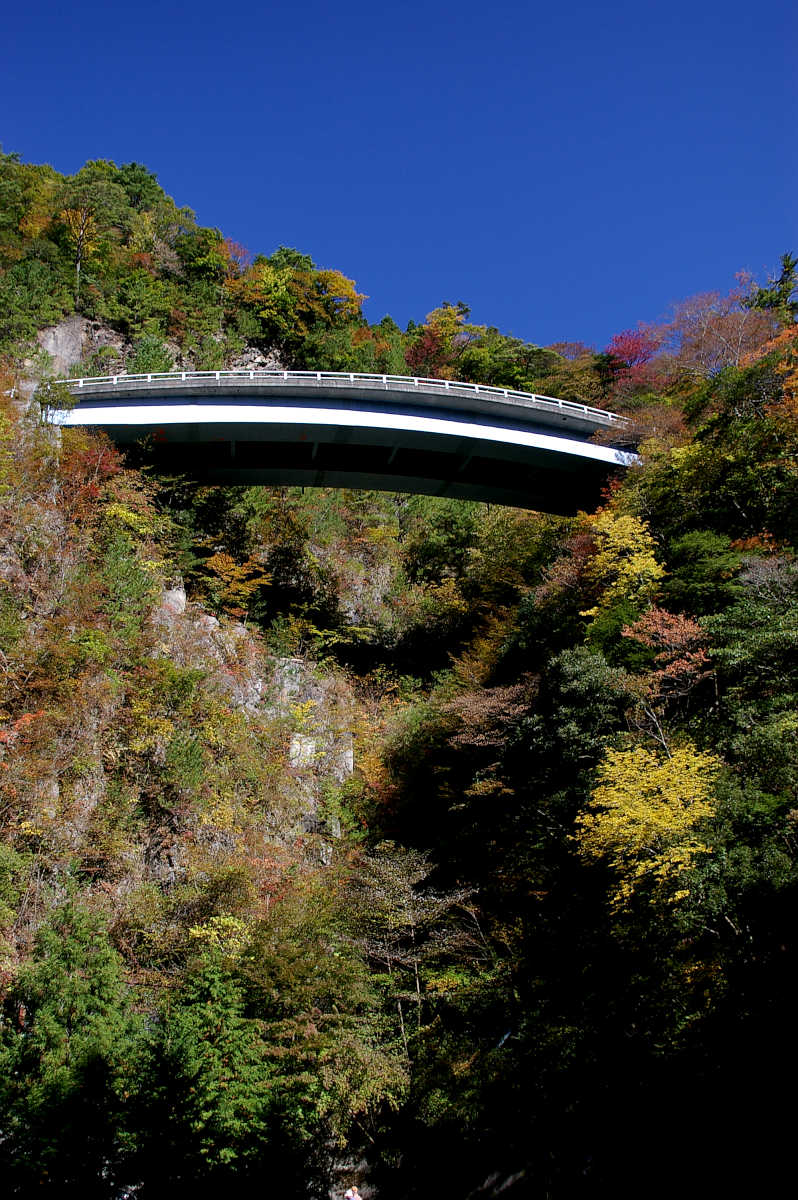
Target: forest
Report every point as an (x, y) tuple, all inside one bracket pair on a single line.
[(445, 848)]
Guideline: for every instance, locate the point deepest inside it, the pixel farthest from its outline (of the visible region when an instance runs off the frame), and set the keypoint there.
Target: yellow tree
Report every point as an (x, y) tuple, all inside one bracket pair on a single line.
[(624, 567), (644, 820), (233, 584), (265, 289), (339, 295)]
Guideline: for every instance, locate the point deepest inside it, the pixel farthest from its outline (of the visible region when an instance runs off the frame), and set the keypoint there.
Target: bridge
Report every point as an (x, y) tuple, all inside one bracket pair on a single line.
[(337, 429)]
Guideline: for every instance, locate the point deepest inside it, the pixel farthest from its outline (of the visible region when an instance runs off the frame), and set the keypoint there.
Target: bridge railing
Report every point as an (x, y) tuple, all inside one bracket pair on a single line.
[(408, 382)]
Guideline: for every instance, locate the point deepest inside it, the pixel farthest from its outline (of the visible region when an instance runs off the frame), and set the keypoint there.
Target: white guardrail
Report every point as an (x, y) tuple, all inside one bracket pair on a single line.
[(355, 377)]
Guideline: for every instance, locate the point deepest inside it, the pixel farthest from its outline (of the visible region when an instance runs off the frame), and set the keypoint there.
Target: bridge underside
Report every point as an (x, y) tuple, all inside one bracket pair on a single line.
[(435, 454)]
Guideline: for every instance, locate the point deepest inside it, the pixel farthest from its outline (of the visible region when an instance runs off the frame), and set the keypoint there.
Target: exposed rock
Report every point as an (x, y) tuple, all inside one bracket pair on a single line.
[(174, 600), (345, 1172), (65, 342), (302, 751), (114, 346), (207, 623), (252, 359), (364, 599), (164, 857), (218, 841), (316, 706), (343, 757), (87, 792), (77, 339)]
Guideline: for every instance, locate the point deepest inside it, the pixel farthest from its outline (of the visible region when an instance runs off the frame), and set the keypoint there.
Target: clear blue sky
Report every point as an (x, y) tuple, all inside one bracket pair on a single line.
[(566, 169)]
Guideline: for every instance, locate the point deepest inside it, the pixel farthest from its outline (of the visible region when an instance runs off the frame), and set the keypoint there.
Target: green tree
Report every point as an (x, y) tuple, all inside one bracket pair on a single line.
[(780, 294), (205, 1105), (69, 1052), (150, 354), (702, 573), (92, 208)]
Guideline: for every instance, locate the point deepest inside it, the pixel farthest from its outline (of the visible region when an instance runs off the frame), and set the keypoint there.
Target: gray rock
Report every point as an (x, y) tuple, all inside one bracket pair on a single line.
[(252, 359), (343, 757), (302, 751), (65, 342), (174, 600)]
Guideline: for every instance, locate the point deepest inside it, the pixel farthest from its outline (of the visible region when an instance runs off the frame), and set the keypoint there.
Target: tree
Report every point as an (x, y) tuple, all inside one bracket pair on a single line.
[(92, 205), (681, 656), (703, 570), (754, 642), (624, 567), (440, 342), (633, 347), (635, 368), (205, 1107), (710, 331), (644, 820), (69, 1052), (396, 923), (141, 186), (150, 354), (780, 295), (376, 348), (82, 226), (436, 536)]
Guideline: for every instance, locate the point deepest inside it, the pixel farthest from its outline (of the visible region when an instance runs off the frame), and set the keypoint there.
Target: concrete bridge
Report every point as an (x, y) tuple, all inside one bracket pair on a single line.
[(333, 429)]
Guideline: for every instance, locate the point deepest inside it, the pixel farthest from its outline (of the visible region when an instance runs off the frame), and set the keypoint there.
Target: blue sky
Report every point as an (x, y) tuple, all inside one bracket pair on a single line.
[(567, 170)]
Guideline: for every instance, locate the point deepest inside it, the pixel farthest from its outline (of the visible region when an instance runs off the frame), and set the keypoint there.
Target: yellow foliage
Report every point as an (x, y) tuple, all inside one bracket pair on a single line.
[(643, 817), (447, 321), (302, 712), (148, 730), (119, 516), (443, 599), (30, 829), (624, 566), (368, 730), (6, 451), (39, 213), (220, 812), (141, 237), (345, 297), (82, 226), (475, 664), (235, 583), (266, 289), (152, 566), (226, 933)]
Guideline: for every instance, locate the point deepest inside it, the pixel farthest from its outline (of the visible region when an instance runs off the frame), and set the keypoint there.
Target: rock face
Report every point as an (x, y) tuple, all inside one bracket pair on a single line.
[(315, 707), (252, 359), (301, 751), (174, 601), (65, 343), (322, 752), (76, 339)]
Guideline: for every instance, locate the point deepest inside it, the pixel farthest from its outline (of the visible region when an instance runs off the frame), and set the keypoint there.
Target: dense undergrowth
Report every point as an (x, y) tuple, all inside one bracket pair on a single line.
[(541, 941)]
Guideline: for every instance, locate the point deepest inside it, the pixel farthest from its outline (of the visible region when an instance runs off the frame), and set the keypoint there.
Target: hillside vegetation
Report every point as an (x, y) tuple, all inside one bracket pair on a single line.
[(347, 835)]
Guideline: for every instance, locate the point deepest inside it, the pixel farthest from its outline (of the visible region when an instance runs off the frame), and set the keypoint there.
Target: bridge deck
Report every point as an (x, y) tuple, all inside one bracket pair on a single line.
[(353, 430)]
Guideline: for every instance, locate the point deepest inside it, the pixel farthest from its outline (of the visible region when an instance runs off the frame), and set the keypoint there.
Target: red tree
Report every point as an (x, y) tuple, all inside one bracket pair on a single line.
[(633, 347)]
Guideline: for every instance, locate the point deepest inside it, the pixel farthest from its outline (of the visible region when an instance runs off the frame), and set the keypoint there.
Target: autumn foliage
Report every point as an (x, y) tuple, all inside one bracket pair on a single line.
[(343, 827)]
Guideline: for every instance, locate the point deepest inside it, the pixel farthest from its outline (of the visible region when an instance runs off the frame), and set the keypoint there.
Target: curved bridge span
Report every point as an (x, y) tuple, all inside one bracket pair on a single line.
[(333, 429)]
